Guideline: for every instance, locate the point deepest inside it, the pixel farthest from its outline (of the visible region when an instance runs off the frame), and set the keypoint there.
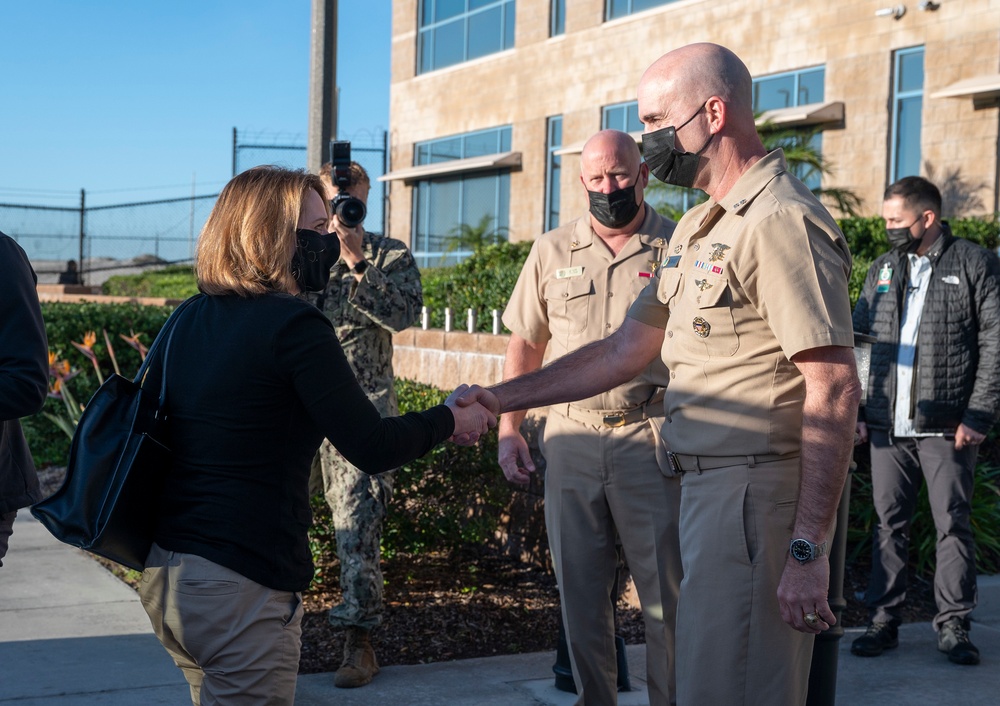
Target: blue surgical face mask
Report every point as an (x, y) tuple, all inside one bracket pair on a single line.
[(315, 254)]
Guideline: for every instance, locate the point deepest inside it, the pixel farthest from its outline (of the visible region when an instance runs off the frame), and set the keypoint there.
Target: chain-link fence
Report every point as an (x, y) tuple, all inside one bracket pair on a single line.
[(131, 237), (369, 152), (106, 240)]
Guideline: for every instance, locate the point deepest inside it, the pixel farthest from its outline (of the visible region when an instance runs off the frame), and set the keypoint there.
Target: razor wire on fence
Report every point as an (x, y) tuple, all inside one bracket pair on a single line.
[(131, 237)]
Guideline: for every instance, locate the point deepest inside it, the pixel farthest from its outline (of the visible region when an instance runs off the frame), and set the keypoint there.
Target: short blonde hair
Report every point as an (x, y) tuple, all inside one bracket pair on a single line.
[(248, 241)]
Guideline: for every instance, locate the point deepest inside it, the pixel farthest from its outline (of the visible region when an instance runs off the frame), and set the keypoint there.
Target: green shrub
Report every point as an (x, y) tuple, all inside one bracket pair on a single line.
[(174, 282), (450, 499), (66, 322), (482, 282), (985, 514)]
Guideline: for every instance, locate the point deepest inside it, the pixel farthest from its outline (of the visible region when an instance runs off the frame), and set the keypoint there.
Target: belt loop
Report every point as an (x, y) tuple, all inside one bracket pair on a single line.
[(697, 464), (751, 461)]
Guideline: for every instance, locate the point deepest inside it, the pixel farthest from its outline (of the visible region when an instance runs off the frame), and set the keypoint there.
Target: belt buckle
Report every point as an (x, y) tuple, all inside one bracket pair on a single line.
[(675, 466), (614, 420)]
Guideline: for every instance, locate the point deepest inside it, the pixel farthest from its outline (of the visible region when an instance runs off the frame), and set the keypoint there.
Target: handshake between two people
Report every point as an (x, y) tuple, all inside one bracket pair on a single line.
[(475, 410)]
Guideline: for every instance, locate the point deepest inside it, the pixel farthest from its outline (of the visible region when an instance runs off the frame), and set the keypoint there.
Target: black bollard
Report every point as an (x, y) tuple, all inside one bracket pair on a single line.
[(823, 671)]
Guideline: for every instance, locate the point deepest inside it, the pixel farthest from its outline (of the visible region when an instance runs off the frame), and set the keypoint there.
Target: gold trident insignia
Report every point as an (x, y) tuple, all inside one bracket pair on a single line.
[(719, 253)]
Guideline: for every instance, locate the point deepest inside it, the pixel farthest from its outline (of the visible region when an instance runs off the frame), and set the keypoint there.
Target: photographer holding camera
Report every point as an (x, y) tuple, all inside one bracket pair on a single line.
[(374, 291)]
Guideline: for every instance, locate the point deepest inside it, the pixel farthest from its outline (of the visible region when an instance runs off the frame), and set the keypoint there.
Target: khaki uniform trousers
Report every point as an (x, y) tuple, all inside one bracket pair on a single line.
[(236, 641), (733, 648), (602, 483)]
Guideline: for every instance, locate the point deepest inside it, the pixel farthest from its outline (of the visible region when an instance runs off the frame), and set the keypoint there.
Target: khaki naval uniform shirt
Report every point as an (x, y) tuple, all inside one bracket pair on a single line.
[(747, 284), (573, 291)]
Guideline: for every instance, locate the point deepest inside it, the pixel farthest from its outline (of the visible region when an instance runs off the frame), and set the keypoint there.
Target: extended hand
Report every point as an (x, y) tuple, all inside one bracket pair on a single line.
[(478, 394), (803, 592), (472, 419), (515, 458)]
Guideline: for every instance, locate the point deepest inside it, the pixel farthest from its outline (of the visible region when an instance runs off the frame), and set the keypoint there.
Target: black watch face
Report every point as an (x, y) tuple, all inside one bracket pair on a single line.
[(801, 550)]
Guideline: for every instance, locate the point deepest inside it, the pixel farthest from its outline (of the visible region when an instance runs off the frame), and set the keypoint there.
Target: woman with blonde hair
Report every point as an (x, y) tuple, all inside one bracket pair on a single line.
[(255, 380)]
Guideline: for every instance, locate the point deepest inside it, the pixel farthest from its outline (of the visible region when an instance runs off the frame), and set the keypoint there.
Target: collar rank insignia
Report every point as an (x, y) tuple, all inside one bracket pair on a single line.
[(719, 253), (678, 248)]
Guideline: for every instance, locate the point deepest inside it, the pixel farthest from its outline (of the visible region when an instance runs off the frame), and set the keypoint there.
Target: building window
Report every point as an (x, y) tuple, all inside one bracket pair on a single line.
[(788, 90), (613, 9), (907, 108), (553, 170), (621, 116), (453, 31), (447, 208), (557, 17)]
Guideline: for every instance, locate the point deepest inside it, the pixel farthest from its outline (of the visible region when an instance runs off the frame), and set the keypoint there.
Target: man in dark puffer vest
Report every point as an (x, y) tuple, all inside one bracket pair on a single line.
[(933, 303)]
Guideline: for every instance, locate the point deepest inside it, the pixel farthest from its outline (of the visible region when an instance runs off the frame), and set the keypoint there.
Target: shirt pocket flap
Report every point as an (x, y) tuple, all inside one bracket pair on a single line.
[(568, 289), (711, 291)]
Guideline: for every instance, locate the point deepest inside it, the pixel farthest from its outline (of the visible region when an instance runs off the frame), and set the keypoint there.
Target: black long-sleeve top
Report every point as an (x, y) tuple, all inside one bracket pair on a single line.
[(24, 374), (254, 384)]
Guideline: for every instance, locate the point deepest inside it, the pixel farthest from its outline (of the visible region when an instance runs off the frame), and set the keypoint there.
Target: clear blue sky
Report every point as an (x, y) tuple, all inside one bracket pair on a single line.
[(130, 99)]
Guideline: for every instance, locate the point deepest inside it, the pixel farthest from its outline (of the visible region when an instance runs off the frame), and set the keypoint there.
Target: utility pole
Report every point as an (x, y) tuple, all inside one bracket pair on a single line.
[(322, 83)]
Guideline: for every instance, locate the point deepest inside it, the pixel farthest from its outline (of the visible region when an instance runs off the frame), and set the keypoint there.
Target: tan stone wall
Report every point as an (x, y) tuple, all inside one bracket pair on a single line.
[(597, 63)]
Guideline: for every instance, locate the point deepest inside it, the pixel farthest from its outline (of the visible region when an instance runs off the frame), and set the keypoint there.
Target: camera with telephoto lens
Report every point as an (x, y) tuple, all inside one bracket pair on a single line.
[(349, 210)]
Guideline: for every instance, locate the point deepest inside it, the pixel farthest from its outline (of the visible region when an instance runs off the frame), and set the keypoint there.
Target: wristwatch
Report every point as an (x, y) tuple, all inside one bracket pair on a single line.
[(804, 551), (359, 267)]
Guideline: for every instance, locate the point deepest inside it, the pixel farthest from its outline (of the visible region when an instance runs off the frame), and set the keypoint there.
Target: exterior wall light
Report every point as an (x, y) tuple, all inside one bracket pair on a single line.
[(893, 12), (928, 5)]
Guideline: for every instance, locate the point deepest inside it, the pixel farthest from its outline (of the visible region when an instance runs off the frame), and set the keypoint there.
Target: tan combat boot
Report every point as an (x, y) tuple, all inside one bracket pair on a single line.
[(359, 666)]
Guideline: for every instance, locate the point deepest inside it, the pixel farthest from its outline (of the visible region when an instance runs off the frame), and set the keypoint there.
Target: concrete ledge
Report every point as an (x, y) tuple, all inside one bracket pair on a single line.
[(77, 294)]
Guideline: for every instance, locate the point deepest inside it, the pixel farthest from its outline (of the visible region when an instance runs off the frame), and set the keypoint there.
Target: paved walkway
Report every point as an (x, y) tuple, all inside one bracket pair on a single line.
[(73, 635)]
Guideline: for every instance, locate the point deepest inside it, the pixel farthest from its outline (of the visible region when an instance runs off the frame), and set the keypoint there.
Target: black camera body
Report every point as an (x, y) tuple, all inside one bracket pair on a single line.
[(349, 210)]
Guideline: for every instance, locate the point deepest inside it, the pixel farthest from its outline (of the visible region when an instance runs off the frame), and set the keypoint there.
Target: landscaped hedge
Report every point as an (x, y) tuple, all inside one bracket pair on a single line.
[(66, 322), (482, 282), (453, 497), (174, 282)]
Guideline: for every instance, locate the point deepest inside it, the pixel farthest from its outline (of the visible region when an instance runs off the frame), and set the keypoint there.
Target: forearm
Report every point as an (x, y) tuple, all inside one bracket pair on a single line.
[(522, 357), (595, 368), (829, 420)]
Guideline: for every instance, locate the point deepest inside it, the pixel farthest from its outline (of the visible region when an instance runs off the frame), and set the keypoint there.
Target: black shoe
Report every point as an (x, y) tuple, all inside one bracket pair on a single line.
[(953, 640), (877, 638)]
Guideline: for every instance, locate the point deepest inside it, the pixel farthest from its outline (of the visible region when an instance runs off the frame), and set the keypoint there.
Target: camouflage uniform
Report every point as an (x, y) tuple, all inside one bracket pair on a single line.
[(366, 314)]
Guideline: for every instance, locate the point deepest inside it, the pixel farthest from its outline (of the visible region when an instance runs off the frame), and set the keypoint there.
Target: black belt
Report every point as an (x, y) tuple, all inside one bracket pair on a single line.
[(683, 463)]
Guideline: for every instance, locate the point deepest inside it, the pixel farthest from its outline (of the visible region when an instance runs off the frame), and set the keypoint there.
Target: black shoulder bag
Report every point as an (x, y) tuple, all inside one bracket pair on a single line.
[(108, 503)]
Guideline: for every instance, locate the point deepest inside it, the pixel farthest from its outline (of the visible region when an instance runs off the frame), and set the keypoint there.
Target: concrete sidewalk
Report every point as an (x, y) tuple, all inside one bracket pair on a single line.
[(72, 634)]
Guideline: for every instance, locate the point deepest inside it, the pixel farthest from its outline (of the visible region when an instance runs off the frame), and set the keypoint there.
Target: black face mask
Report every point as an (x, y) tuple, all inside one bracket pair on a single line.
[(666, 162), (616, 209), (315, 254), (901, 237)]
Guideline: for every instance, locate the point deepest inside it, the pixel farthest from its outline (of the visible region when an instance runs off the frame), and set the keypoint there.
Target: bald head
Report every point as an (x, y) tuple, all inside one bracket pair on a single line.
[(610, 147), (688, 76)]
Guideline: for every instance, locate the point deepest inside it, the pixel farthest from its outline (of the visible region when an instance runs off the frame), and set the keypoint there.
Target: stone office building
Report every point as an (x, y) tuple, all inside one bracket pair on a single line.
[(491, 100)]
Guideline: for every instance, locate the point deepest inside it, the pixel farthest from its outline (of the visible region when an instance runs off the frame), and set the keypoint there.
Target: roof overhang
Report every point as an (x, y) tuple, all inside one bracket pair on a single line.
[(979, 88), (456, 167), (803, 115), (577, 147)]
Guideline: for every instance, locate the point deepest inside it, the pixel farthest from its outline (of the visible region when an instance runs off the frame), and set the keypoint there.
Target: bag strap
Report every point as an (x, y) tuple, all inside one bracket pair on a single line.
[(163, 339)]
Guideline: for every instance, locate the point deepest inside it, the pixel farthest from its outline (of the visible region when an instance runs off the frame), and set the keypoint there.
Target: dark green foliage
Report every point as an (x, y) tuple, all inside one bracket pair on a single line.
[(923, 535), (174, 282), (482, 282), (66, 322), (451, 498)]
